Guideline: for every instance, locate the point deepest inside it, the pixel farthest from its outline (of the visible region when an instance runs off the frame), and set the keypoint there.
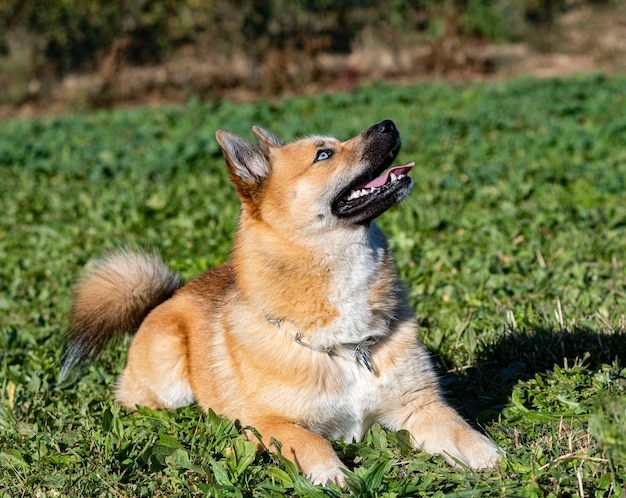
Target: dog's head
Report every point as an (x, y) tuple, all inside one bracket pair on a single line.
[(317, 181)]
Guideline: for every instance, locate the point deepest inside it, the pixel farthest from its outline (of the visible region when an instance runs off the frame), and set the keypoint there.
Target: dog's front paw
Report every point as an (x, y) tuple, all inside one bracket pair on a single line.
[(327, 475), (478, 452)]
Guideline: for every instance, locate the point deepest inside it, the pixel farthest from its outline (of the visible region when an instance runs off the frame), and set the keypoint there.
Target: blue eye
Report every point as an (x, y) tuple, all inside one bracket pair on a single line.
[(323, 154)]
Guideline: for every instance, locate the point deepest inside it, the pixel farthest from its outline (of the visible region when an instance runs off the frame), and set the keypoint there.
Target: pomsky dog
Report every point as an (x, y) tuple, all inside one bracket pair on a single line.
[(305, 332)]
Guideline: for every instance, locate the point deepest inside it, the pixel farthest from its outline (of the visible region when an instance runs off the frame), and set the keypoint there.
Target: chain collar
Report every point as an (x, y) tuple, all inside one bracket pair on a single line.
[(362, 350)]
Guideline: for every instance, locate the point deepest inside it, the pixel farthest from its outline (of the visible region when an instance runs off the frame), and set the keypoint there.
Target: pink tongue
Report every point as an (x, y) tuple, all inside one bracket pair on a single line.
[(384, 178)]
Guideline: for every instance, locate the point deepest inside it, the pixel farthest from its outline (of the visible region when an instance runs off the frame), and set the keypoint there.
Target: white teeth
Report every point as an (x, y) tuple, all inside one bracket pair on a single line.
[(355, 194)]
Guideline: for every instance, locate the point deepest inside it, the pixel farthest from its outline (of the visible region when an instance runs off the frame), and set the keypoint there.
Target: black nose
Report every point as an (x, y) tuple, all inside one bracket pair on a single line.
[(386, 126)]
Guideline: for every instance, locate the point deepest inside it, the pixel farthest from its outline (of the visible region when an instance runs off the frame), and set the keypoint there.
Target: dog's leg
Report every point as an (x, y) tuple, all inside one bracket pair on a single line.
[(314, 455), (438, 429), (156, 374)]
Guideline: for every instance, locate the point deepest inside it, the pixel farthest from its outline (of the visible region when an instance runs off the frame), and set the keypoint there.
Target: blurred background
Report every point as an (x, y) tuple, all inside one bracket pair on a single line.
[(59, 55)]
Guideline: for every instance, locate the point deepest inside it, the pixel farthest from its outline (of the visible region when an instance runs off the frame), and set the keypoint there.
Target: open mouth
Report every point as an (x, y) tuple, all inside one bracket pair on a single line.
[(384, 181), (366, 200)]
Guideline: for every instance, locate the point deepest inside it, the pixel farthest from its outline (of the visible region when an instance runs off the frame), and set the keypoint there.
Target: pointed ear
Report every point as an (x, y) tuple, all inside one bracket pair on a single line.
[(265, 138), (244, 160)]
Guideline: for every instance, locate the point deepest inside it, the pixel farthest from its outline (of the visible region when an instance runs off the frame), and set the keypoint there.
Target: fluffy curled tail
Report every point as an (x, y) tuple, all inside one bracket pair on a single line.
[(112, 298)]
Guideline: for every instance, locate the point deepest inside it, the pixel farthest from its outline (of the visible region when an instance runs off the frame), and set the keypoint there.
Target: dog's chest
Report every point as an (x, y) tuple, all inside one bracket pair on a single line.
[(349, 411)]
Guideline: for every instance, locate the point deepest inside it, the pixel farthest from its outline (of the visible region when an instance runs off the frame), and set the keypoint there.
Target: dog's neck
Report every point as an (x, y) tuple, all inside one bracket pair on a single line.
[(340, 290)]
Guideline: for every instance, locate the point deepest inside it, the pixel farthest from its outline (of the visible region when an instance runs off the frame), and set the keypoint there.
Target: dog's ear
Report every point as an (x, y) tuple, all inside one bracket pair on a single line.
[(265, 138), (248, 166), (244, 160)]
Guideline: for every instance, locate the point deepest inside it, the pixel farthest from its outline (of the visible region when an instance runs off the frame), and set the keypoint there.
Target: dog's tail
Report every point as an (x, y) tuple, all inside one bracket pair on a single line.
[(113, 297)]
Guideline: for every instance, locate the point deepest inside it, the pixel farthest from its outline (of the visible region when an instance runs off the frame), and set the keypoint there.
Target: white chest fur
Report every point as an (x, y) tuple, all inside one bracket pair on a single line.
[(355, 271), (349, 412)]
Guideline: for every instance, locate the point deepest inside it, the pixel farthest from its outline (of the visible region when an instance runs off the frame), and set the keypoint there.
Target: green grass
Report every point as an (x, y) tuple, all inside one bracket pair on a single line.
[(512, 245)]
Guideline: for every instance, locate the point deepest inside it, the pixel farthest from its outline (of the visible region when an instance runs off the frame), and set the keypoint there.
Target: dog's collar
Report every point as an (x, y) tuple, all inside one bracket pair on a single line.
[(362, 350)]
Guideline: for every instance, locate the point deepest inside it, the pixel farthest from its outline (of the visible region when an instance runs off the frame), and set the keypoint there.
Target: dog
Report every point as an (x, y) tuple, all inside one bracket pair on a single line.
[(305, 333)]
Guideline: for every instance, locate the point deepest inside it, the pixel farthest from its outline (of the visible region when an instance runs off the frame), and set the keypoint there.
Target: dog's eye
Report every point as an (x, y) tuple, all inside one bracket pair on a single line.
[(323, 154)]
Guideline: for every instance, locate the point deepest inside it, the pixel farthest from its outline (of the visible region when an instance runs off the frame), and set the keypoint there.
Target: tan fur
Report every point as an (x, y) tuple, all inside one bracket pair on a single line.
[(227, 338)]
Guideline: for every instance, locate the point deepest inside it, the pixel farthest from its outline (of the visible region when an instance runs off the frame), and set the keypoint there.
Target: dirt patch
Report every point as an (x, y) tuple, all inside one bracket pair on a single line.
[(584, 40)]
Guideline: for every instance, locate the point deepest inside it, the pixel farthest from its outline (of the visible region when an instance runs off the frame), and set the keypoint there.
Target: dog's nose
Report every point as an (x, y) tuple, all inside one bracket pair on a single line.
[(386, 126)]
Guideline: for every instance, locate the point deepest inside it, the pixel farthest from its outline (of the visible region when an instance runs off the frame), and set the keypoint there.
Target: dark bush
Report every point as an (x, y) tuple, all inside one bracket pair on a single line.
[(75, 34)]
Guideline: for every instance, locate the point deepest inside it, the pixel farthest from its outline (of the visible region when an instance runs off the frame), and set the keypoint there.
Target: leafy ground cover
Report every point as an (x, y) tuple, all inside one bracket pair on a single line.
[(512, 244)]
